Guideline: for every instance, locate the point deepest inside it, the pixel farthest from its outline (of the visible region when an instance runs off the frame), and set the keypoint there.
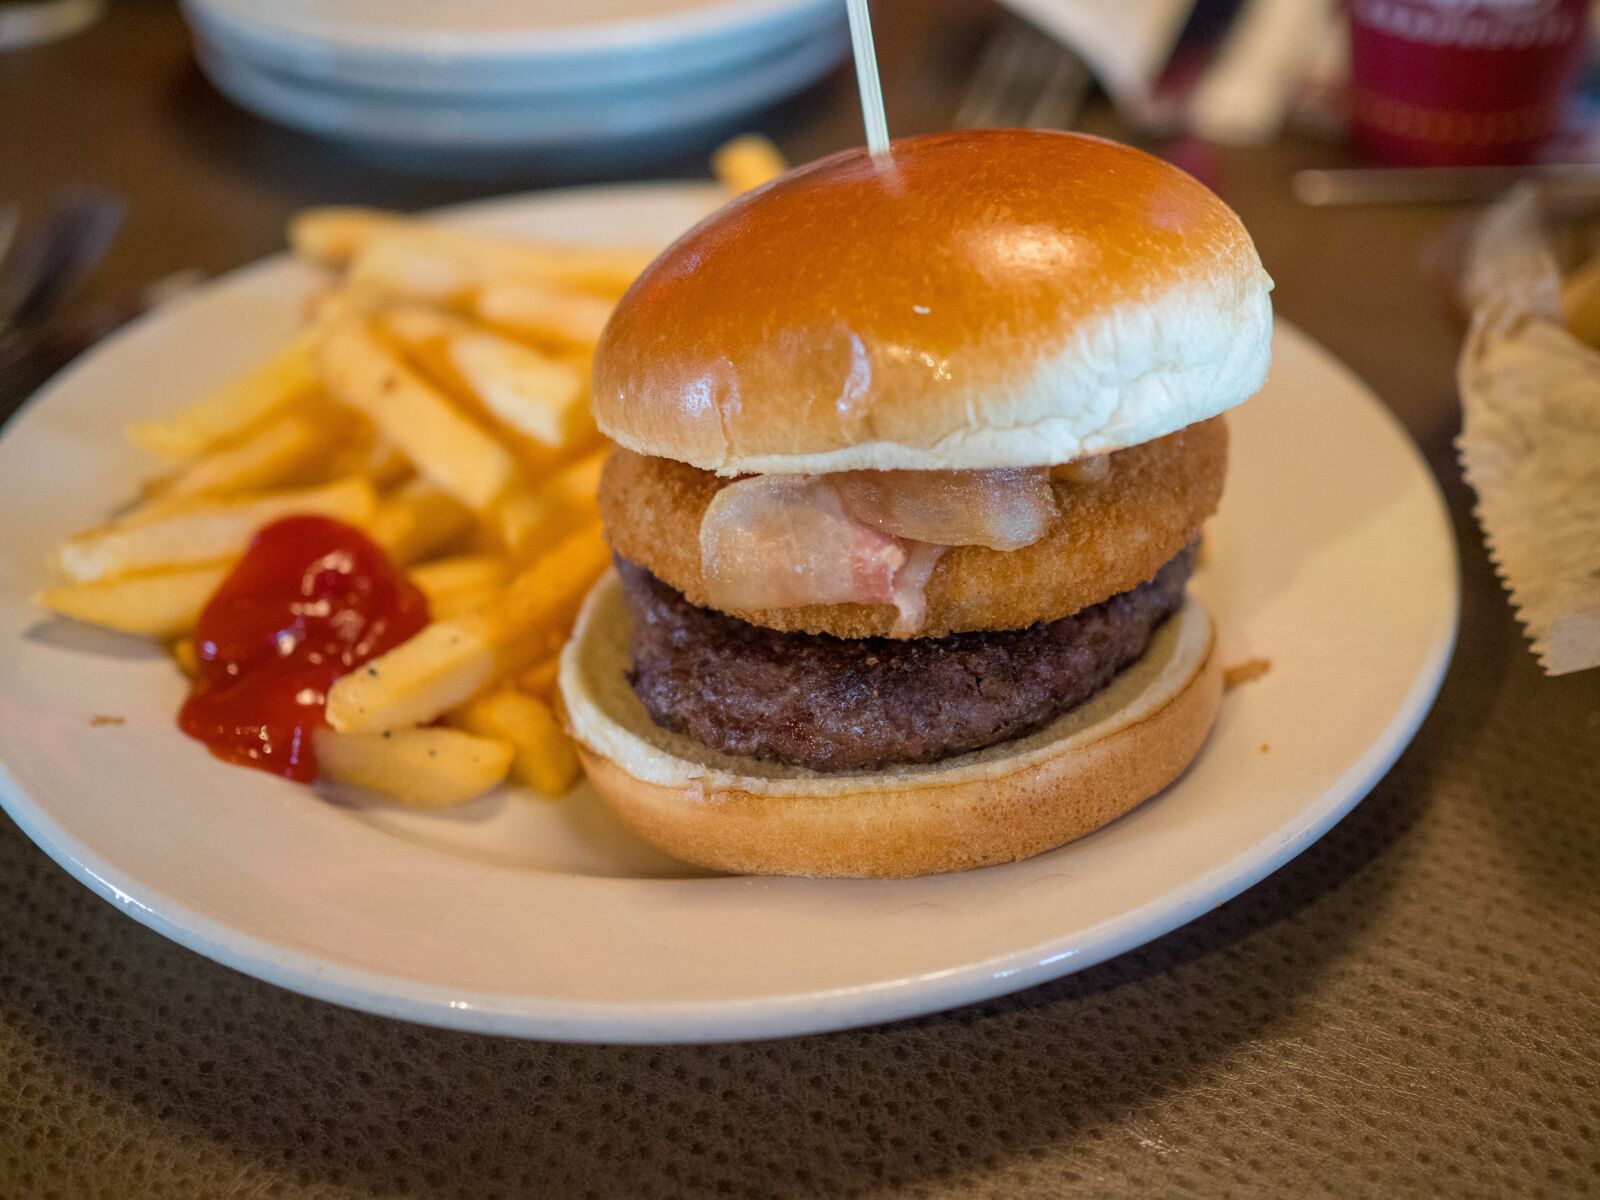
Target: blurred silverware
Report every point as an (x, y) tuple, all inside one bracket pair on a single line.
[(40, 265), (47, 260), (1024, 79), (10, 217), (27, 362), (1439, 185)]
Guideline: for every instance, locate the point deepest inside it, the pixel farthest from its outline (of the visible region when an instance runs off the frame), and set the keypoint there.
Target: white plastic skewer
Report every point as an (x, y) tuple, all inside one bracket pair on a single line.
[(867, 77)]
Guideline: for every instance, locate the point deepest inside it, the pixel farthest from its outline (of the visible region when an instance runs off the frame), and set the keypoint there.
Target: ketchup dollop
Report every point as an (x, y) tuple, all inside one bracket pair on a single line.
[(311, 600)]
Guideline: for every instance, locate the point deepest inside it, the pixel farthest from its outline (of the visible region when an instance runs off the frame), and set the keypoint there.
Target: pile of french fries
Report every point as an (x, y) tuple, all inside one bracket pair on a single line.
[(438, 399)]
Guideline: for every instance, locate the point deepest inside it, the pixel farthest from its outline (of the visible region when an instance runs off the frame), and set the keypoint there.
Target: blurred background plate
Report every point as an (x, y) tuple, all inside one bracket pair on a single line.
[(485, 132), (500, 47)]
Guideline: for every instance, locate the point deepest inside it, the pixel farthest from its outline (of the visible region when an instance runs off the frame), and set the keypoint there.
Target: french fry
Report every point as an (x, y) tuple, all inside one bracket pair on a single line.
[(335, 234), (416, 417), (185, 656), (443, 665), (543, 313), (542, 758), (1580, 299), (600, 270), (449, 662), (532, 519), (343, 302), (420, 334), (544, 652), (546, 595), (418, 521), (201, 532), (462, 584), (421, 768), (540, 397), (540, 679), (534, 394), (416, 267), (385, 465), (285, 378), (746, 162), (417, 325), (416, 261), (159, 604), (373, 458), (439, 400), (281, 452)]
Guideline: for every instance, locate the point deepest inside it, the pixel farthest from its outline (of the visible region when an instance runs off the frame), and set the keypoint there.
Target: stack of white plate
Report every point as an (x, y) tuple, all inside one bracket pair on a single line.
[(496, 83)]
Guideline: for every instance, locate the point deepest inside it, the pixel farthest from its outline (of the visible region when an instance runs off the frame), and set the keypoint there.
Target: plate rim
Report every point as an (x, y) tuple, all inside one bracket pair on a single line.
[(432, 122), (791, 1013), (714, 20)]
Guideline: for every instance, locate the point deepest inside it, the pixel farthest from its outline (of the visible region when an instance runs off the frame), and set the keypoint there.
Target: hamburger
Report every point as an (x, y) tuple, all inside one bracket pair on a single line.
[(913, 458)]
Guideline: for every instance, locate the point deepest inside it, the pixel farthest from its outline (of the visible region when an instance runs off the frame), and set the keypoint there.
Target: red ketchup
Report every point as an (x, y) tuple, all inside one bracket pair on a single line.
[(311, 600)]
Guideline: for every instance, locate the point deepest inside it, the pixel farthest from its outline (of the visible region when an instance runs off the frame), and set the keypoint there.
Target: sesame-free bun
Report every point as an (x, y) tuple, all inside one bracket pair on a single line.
[(980, 299), (996, 805)]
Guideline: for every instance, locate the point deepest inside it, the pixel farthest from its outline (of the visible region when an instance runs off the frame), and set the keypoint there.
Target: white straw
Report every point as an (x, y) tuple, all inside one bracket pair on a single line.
[(867, 77)]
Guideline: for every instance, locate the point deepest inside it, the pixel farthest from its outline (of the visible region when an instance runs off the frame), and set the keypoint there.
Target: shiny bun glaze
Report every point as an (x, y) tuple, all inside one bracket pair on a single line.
[(986, 299)]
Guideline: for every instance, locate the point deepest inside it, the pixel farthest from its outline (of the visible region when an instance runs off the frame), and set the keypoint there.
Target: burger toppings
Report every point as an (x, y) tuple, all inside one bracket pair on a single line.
[(1003, 510), (861, 537), (779, 541), (911, 588)]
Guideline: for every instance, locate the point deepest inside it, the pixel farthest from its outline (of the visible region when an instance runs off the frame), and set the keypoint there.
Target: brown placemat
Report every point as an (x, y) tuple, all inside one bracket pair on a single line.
[(1410, 1008)]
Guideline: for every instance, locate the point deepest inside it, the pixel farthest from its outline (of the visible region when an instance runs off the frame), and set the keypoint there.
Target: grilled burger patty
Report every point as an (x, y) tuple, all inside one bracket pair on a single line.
[(835, 704)]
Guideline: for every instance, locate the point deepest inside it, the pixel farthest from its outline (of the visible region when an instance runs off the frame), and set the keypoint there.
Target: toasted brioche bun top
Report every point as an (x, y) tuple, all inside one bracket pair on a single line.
[(980, 299)]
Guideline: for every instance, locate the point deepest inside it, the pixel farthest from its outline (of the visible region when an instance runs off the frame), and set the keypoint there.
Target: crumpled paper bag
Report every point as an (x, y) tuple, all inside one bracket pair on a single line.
[(1530, 436)]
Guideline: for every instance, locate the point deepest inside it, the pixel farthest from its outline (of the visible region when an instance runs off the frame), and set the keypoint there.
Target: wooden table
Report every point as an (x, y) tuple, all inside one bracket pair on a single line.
[(1410, 1008)]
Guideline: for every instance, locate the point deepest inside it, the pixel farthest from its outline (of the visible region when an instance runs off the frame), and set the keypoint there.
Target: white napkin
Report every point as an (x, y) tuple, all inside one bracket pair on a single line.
[(1243, 99), (1530, 435), (1124, 43)]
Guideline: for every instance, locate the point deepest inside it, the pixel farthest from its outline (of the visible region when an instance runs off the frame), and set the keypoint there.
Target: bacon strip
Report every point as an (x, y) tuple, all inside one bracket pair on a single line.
[(782, 541), (1003, 510), (861, 537), (911, 589)]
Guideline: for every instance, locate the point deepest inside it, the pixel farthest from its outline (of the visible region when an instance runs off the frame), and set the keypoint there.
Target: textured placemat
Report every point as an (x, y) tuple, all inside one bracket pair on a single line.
[(1410, 1008)]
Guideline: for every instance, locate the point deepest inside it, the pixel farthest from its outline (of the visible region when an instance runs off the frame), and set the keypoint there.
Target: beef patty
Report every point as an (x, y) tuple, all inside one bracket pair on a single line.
[(836, 704)]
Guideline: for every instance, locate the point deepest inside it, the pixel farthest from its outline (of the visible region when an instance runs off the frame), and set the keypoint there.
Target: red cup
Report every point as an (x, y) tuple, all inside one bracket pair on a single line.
[(1460, 82)]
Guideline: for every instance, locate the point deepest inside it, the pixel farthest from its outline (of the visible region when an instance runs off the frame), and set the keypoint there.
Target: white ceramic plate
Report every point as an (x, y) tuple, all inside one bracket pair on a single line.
[(526, 123), (1332, 557), (504, 46)]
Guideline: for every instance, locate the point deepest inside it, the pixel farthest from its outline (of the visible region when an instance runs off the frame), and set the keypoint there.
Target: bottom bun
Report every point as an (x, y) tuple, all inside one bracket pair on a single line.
[(1006, 802)]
